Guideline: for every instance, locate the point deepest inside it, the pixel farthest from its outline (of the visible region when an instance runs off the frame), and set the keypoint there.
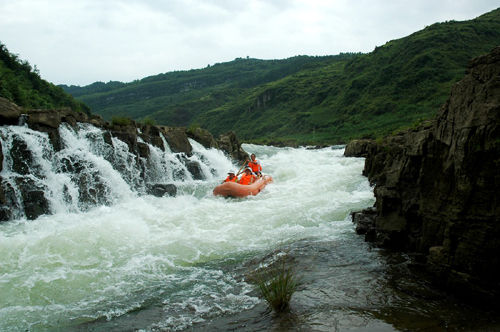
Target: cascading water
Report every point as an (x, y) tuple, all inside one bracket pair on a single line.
[(107, 249), (87, 171), (110, 257)]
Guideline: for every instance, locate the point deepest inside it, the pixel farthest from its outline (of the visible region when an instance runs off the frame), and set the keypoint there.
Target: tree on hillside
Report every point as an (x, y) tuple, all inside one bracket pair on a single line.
[(22, 84)]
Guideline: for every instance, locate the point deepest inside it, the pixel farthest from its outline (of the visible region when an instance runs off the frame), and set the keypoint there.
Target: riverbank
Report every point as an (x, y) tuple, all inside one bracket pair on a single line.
[(436, 187)]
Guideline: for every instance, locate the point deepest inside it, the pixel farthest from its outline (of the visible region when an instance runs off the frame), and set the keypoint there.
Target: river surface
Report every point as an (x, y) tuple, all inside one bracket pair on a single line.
[(184, 263)]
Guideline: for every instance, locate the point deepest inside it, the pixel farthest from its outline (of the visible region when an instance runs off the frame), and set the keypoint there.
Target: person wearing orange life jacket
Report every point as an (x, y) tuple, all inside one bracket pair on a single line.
[(247, 177), (231, 177), (254, 164)]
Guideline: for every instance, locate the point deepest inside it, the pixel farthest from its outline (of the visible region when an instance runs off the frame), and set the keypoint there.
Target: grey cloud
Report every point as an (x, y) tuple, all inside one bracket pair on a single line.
[(81, 41)]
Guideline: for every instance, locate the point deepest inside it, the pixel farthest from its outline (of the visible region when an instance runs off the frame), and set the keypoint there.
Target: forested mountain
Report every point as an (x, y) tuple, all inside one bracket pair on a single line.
[(176, 98), (309, 99), (21, 83)]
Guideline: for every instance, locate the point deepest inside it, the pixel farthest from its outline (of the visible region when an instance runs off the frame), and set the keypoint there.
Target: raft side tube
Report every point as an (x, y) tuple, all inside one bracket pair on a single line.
[(239, 190)]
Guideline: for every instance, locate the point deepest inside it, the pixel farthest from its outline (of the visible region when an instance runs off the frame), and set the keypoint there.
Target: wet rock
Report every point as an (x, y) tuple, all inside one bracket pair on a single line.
[(195, 169), (151, 135), (97, 120), (38, 118), (50, 118), (21, 156), (143, 150), (33, 195), (55, 139), (127, 134), (160, 190), (202, 136), (35, 204), (437, 185), (359, 148), (9, 112), (229, 143), (5, 213), (91, 190), (1, 157), (107, 138), (364, 220), (177, 139)]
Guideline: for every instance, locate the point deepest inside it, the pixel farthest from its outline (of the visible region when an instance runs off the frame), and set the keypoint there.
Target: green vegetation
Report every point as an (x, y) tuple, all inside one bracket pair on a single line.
[(309, 100), (121, 121), (176, 98), (278, 286), (148, 121), (22, 84)]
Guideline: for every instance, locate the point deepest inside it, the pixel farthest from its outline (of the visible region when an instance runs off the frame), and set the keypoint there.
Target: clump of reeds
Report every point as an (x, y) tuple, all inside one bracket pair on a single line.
[(277, 287)]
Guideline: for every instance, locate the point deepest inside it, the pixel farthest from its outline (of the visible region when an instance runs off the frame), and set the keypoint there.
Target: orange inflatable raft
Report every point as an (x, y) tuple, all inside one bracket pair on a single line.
[(234, 189)]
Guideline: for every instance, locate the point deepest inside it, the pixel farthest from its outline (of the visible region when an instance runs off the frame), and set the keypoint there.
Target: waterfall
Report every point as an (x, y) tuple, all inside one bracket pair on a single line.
[(91, 168)]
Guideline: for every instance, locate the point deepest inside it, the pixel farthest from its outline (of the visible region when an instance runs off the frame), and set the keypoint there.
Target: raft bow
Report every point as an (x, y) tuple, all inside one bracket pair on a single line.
[(234, 189)]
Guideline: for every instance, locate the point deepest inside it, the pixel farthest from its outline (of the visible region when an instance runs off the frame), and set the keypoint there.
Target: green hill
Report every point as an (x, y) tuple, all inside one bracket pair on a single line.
[(371, 95), (22, 84), (176, 98), (309, 99)]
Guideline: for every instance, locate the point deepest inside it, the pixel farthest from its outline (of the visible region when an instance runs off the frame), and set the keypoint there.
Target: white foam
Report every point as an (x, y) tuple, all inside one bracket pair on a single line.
[(106, 261)]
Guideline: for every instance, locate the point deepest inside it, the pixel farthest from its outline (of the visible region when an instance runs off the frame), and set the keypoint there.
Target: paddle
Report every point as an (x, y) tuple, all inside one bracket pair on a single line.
[(244, 164)]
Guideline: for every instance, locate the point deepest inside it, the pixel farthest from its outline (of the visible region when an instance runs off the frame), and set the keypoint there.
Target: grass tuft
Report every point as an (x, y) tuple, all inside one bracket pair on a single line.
[(278, 286)]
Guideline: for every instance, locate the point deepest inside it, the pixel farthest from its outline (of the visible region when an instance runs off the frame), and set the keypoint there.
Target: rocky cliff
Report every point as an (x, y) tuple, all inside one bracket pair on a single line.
[(436, 186), (22, 190)]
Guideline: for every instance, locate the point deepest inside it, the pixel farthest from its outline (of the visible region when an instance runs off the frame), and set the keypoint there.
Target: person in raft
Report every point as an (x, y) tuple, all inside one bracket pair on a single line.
[(247, 177), (231, 177), (254, 164)]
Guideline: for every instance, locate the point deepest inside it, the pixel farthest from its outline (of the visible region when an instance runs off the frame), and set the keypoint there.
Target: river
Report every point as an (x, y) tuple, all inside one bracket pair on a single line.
[(146, 263)]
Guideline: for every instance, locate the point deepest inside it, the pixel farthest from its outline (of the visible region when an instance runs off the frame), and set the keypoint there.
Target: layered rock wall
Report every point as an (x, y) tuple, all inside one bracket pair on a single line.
[(436, 186)]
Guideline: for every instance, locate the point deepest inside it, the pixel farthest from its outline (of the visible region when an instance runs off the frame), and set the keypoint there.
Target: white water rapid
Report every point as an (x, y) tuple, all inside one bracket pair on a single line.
[(84, 263)]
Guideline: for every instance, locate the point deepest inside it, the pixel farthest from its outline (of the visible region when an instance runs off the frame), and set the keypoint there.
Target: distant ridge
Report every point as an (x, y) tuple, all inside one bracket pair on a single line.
[(308, 99)]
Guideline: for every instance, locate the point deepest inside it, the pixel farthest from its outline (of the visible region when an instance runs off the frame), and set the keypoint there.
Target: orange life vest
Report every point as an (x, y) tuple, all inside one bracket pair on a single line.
[(246, 179), (231, 180), (255, 166)]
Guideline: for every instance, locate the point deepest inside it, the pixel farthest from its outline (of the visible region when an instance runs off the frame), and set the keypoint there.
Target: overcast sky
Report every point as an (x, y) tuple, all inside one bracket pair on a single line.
[(83, 41)]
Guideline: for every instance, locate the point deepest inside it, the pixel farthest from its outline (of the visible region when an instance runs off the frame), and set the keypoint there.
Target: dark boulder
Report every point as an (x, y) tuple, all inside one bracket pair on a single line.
[(106, 136), (177, 139), (359, 148), (9, 112), (39, 118), (21, 156), (160, 190), (35, 204), (365, 222), (91, 190), (202, 136), (97, 121), (151, 135), (5, 206), (195, 169), (33, 196), (143, 150), (126, 134), (229, 143)]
